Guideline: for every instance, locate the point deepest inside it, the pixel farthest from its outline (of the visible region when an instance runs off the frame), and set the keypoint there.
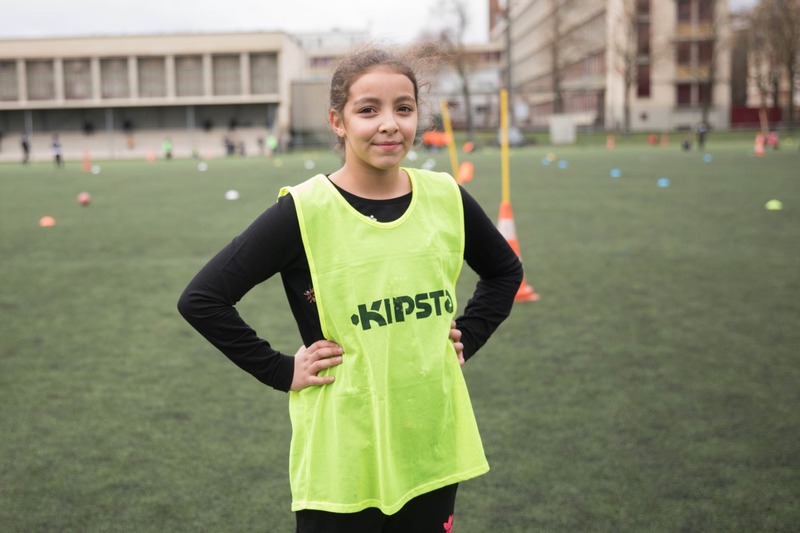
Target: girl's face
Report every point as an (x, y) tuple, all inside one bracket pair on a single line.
[(379, 121)]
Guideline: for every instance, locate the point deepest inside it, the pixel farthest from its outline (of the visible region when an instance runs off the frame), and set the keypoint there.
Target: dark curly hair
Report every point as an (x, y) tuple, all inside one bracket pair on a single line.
[(369, 57)]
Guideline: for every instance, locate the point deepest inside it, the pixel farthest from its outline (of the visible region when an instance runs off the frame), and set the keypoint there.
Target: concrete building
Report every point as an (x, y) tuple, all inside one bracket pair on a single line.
[(111, 94), (122, 96), (310, 94), (644, 64)]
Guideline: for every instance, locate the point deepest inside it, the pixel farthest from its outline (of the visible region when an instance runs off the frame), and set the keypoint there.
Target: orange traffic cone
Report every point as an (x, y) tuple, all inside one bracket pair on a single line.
[(758, 148), (505, 224), (611, 142), (87, 161)]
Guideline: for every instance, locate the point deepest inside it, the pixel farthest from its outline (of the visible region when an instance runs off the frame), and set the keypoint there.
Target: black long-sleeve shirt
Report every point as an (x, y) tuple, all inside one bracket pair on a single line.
[(272, 244)]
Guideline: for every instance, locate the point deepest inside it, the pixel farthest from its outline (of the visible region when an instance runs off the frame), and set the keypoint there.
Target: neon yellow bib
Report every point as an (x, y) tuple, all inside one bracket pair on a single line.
[(397, 422)]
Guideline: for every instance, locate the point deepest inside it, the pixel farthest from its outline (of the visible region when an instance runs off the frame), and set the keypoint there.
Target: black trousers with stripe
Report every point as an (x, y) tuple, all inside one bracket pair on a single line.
[(428, 513)]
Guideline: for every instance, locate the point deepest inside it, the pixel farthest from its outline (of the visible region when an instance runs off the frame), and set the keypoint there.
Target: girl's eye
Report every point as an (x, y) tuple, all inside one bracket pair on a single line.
[(406, 109), (367, 110)]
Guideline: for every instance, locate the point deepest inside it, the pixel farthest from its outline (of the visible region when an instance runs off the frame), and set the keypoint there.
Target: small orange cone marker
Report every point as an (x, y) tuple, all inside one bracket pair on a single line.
[(465, 171), (47, 221), (758, 148)]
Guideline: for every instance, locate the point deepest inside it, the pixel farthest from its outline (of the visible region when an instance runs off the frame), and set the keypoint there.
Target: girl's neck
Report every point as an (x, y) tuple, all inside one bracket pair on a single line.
[(374, 184)]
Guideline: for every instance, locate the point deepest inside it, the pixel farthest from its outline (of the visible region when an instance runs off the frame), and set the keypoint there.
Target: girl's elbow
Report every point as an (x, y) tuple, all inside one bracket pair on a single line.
[(185, 306)]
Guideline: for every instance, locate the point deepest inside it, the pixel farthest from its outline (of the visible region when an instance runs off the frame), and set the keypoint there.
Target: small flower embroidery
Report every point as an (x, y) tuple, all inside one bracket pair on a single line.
[(310, 295), (448, 526)]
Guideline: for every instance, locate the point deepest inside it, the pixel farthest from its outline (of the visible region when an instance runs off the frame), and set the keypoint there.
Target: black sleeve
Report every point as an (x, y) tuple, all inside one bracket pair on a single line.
[(208, 303), (500, 274)]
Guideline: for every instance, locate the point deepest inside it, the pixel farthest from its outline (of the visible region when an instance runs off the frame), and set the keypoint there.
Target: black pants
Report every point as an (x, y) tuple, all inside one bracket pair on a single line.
[(428, 513)]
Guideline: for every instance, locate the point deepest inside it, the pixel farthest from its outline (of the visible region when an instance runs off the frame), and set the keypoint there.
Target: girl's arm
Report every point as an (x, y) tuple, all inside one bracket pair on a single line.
[(208, 302), (488, 253)]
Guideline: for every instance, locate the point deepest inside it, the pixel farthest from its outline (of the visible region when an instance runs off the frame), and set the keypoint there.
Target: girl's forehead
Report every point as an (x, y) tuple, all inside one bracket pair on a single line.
[(381, 78), (380, 72)]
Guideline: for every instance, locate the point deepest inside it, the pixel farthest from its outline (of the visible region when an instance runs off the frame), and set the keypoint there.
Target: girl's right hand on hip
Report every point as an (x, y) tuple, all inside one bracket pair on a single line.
[(308, 362)]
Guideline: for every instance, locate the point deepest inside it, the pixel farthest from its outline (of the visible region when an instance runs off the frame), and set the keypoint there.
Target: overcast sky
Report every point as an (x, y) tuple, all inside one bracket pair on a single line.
[(398, 20)]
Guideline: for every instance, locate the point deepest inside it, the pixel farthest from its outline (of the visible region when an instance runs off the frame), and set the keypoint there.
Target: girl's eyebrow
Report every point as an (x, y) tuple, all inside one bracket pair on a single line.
[(373, 100), (366, 100)]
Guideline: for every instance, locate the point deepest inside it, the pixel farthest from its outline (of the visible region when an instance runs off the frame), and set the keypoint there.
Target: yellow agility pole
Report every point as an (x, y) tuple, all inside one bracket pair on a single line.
[(451, 144), (504, 171), (505, 221)]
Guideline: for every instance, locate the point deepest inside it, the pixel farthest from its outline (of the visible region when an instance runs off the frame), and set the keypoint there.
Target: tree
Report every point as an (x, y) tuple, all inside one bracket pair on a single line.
[(570, 40), (716, 43), (557, 47), (625, 49), (778, 24), (762, 72), (452, 38)]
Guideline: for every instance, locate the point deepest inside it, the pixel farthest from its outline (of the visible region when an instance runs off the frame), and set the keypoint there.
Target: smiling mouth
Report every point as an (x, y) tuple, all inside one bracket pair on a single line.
[(389, 146)]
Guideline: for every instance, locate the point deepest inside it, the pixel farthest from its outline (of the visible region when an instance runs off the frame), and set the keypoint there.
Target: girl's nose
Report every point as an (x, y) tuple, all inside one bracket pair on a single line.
[(388, 124)]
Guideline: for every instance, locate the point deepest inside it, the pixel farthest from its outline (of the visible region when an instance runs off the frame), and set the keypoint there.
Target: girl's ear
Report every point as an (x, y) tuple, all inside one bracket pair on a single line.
[(337, 124)]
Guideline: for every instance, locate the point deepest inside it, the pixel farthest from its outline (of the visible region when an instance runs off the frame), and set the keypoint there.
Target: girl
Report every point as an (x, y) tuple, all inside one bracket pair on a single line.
[(383, 428)]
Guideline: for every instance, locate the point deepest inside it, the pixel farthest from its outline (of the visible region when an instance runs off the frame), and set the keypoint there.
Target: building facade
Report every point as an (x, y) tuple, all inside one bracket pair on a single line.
[(638, 65), (185, 85), (617, 65)]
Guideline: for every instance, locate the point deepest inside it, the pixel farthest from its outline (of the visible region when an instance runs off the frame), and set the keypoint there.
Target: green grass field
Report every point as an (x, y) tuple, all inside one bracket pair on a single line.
[(655, 386)]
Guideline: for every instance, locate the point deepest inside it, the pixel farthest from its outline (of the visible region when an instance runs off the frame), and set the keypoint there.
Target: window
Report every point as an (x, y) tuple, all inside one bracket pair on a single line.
[(41, 80), (683, 96), (643, 7), (684, 11), (77, 79), (263, 73), (9, 88), (705, 52), (319, 62), (152, 77), (189, 76), (227, 80), (643, 38), (114, 78), (643, 81), (693, 94), (683, 54), (705, 10)]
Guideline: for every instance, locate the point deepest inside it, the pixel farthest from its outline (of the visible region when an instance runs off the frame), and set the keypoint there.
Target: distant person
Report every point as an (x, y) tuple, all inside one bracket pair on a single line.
[(166, 146), (230, 145), (772, 140), (57, 152), (702, 131), (369, 255), (25, 144), (272, 144)]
